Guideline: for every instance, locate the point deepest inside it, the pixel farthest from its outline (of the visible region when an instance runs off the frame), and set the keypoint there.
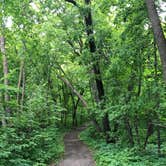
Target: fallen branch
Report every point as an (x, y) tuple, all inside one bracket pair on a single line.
[(84, 103)]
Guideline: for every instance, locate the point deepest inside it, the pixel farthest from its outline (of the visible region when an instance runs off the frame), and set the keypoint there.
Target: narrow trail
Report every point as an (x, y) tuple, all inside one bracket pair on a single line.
[(76, 153)]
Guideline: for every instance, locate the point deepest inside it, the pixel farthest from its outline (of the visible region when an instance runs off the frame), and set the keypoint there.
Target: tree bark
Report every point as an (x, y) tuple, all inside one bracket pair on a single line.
[(75, 106), (159, 141), (23, 89), (129, 130), (5, 71), (3, 120), (158, 33), (150, 131), (20, 81), (95, 63), (96, 66)]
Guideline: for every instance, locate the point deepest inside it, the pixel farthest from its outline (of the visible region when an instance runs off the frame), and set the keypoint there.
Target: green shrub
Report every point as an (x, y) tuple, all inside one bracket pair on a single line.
[(119, 155), (27, 149)]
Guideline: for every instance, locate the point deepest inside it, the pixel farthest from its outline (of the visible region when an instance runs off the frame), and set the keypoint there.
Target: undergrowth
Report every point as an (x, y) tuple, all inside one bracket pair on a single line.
[(30, 145), (118, 154)]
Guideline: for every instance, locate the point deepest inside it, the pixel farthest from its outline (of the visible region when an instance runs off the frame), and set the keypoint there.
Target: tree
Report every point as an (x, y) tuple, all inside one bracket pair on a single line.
[(5, 61), (158, 33), (99, 87)]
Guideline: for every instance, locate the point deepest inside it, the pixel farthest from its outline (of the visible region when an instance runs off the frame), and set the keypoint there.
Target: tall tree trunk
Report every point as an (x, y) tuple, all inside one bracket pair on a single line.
[(23, 89), (95, 62), (157, 96), (20, 81), (150, 131), (5, 71), (75, 106), (21, 85), (127, 100), (159, 141), (3, 120), (96, 67), (158, 33), (136, 118), (129, 130)]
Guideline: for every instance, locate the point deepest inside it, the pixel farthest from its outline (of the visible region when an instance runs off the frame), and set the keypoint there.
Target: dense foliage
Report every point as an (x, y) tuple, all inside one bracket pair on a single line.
[(119, 154), (66, 62), (32, 136)]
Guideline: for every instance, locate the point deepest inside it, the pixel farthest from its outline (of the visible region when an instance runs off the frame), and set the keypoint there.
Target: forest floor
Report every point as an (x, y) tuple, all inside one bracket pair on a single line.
[(76, 152)]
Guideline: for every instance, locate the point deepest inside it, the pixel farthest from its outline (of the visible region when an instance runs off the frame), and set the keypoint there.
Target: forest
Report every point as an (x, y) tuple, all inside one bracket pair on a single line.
[(82, 82)]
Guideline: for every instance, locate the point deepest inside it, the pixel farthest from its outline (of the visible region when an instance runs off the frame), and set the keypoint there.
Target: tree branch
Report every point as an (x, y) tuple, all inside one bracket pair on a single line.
[(73, 47), (84, 103)]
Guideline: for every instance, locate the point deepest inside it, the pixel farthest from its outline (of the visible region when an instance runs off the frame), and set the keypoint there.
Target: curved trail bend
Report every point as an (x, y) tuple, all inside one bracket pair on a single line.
[(76, 153)]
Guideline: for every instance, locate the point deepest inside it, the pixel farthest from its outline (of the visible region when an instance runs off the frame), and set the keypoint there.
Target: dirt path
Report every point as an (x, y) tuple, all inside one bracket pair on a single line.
[(76, 153)]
